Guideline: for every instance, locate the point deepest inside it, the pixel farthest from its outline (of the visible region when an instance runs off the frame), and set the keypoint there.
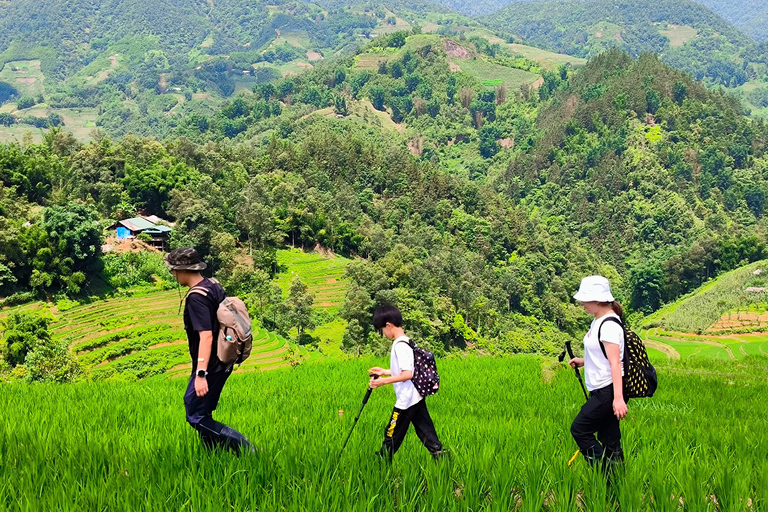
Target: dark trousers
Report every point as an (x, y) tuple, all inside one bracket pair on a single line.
[(401, 419), (200, 414), (597, 417)]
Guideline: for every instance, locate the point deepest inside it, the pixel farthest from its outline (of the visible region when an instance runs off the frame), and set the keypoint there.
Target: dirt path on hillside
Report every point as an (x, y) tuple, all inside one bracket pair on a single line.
[(662, 347)]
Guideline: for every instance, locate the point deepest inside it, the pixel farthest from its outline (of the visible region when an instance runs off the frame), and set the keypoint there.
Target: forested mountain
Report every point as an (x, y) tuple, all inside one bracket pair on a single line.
[(123, 67), (749, 16), (70, 35), (477, 207), (107, 63), (477, 8), (689, 36)]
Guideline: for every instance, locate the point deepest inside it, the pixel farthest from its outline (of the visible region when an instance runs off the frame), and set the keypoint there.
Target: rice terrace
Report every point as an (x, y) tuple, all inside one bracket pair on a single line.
[(509, 451), (245, 245)]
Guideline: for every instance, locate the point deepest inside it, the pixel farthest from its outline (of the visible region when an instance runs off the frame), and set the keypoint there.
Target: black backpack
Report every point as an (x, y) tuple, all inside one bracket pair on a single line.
[(425, 378), (640, 379)]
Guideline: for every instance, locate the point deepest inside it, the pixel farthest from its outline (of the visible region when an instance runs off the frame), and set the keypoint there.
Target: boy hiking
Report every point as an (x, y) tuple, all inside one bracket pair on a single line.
[(208, 373), (410, 407)]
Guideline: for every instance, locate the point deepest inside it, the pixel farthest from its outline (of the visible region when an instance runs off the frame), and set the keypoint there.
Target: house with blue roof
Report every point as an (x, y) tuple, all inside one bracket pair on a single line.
[(129, 229)]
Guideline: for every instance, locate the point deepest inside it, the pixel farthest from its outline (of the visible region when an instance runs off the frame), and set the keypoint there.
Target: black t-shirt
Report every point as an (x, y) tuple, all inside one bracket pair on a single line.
[(200, 315)]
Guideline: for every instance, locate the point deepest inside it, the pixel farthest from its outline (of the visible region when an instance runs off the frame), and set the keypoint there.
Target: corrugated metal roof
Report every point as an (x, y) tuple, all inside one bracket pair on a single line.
[(136, 224), (157, 230)]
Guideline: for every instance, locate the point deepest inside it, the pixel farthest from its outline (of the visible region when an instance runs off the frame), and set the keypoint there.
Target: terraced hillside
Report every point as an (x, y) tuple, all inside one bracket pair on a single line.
[(143, 335), (726, 318), (323, 275)]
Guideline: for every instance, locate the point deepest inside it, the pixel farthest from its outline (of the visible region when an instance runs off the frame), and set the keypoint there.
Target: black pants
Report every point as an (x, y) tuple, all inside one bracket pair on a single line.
[(418, 415), (597, 417), (200, 409)]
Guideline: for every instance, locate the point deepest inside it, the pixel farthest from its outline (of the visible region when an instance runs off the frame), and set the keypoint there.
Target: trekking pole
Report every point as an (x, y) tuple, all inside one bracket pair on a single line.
[(578, 376), (365, 401)]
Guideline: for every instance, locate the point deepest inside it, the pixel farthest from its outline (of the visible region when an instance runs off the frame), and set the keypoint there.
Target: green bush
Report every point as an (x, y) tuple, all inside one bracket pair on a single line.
[(28, 348), (66, 304), (135, 268)]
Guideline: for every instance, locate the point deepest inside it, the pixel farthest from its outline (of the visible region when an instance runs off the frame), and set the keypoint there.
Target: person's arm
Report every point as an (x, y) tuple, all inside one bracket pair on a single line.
[(400, 377), (203, 357), (619, 405), (576, 362), (379, 371)]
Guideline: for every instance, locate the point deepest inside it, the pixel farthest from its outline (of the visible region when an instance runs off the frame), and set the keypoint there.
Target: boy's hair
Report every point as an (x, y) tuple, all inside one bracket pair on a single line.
[(387, 314)]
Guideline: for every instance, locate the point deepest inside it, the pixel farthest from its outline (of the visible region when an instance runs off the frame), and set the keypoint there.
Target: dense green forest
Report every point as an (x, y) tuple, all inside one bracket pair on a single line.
[(476, 208)]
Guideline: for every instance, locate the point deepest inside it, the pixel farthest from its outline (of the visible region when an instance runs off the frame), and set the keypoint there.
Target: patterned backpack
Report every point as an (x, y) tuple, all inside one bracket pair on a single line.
[(425, 378), (640, 379)]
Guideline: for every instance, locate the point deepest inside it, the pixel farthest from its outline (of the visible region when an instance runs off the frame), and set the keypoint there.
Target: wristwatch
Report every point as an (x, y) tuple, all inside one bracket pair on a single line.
[(202, 373)]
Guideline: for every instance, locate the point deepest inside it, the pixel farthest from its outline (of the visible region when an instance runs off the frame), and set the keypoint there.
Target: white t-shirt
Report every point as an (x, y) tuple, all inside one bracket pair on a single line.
[(597, 369), (401, 360)]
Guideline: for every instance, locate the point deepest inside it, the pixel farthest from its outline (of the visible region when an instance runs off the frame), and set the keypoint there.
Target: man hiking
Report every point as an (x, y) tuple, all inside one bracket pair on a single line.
[(208, 373), (410, 407)]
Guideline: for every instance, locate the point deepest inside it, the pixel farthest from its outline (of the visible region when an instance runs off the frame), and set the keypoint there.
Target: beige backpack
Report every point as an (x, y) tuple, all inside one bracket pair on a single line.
[(235, 336)]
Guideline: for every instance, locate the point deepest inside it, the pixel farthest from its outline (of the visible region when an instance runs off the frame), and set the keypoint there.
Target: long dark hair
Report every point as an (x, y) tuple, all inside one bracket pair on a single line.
[(617, 309)]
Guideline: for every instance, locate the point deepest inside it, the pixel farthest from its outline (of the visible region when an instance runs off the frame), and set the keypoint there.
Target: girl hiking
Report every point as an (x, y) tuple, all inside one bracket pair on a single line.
[(603, 371)]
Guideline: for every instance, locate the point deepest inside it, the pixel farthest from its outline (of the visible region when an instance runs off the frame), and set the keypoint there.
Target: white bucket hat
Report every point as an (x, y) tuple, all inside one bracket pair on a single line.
[(594, 289)]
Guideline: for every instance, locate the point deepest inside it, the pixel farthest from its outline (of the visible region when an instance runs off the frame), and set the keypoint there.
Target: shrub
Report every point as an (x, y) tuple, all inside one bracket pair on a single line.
[(29, 349), (135, 268)]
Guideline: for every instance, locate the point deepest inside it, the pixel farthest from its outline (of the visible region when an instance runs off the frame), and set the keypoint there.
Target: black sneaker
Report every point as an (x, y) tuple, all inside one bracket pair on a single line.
[(441, 454)]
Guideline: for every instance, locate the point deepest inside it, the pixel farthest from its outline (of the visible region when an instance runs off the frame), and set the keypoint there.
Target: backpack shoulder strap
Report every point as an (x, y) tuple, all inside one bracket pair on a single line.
[(198, 290), (609, 319), (409, 342)]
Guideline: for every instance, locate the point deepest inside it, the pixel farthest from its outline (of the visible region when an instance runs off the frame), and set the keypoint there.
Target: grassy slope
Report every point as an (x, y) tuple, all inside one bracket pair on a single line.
[(708, 322), (323, 275), (84, 447)]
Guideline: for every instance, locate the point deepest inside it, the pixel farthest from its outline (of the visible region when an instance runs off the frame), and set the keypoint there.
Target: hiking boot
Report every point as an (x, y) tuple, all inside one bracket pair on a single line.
[(236, 441), (441, 454)]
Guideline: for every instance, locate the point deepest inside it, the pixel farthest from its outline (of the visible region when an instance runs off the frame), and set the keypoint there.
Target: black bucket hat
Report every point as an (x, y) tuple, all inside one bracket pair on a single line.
[(185, 258)]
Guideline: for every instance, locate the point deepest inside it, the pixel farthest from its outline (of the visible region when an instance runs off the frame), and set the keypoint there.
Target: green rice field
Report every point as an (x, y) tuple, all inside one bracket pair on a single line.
[(678, 345), (698, 445)]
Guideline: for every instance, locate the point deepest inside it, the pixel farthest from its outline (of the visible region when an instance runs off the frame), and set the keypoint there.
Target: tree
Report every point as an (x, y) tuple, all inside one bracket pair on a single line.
[(354, 338), (22, 333), (397, 39), (679, 92), (25, 102), (488, 145), (646, 280), (755, 197), (378, 94), (340, 105), (433, 107), (70, 249), (299, 304)]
